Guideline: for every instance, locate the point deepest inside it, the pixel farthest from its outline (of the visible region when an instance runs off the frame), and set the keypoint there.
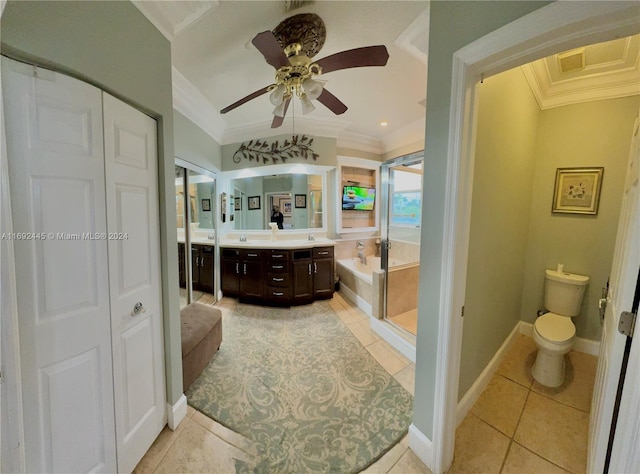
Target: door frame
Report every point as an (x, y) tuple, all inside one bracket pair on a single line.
[(551, 29)]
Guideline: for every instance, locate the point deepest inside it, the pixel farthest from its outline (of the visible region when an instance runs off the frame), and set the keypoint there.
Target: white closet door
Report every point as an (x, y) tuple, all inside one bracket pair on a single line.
[(56, 169), (134, 274)]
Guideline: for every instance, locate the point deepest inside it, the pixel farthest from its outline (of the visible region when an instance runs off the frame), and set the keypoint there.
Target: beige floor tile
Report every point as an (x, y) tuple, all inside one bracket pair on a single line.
[(409, 463), (190, 411), (407, 377), (478, 447), (554, 431), (520, 460), (390, 458), (159, 448), (501, 404), (224, 433), (518, 361), (387, 357), (362, 330), (579, 377), (198, 450)]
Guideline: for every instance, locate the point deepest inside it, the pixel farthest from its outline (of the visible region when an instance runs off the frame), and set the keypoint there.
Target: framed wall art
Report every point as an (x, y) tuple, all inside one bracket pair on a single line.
[(577, 190), (237, 204), (301, 201), (253, 203), (206, 204)]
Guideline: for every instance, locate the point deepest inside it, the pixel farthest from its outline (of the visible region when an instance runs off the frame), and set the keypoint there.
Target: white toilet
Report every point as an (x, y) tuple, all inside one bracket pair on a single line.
[(554, 332)]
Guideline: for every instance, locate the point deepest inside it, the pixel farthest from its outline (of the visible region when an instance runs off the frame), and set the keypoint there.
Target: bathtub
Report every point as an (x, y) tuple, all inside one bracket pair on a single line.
[(364, 284)]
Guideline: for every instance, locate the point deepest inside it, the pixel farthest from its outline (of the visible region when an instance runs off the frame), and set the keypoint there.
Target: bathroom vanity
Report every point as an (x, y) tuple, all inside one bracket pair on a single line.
[(283, 273)]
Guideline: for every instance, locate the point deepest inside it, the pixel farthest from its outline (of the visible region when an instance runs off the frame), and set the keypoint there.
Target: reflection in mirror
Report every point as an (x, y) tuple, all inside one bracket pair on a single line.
[(298, 197), (201, 197)]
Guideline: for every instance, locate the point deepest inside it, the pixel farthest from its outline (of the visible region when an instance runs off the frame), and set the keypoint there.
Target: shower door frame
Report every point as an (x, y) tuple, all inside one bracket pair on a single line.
[(385, 219)]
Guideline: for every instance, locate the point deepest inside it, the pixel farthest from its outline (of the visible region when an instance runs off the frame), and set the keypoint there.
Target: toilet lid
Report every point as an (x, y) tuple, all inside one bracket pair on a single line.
[(555, 328)]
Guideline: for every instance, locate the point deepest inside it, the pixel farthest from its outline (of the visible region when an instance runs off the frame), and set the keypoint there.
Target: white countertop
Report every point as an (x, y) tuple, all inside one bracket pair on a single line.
[(277, 244), (198, 240)]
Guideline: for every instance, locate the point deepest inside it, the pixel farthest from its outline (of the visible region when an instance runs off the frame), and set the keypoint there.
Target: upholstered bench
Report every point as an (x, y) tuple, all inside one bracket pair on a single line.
[(201, 337)]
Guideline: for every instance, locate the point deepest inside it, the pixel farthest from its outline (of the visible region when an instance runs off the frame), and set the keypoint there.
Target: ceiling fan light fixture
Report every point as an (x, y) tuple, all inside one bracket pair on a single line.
[(280, 109), (307, 106), (312, 88), (277, 95)]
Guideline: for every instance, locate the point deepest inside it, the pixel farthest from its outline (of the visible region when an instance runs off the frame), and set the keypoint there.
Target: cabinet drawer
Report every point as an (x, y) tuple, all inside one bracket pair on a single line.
[(230, 253), (252, 254), (278, 279), (323, 252), (278, 267), (279, 255), (278, 294)]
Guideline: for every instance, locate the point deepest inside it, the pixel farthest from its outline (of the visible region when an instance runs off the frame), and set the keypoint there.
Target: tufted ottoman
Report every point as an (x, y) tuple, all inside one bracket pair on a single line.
[(201, 337)]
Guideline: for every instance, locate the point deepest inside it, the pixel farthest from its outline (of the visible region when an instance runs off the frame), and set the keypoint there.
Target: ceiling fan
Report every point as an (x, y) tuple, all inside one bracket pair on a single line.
[(289, 49)]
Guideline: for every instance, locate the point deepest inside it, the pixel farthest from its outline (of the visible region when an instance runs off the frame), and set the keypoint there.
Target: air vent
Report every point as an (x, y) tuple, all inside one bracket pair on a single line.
[(571, 60), (294, 4)]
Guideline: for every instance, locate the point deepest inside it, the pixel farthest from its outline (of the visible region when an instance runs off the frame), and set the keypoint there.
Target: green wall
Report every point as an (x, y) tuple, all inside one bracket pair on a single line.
[(500, 211), (113, 46), (452, 26), (194, 145), (594, 133)]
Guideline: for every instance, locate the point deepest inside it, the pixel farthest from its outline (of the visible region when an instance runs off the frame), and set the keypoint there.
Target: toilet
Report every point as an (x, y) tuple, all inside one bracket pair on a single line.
[(554, 332)]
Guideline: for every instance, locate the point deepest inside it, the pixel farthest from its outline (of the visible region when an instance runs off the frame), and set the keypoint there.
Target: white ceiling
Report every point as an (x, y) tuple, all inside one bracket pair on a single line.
[(214, 54), (215, 64)]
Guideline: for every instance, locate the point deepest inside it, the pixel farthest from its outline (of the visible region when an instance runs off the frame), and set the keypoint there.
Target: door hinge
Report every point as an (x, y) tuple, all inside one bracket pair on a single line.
[(462, 312), (627, 323)]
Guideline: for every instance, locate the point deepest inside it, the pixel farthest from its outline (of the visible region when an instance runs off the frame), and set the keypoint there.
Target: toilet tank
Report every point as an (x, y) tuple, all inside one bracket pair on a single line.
[(563, 292)]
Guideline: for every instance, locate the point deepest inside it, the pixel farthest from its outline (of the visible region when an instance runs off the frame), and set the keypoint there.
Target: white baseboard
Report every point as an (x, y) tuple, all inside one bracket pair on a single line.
[(177, 412), (358, 300), (398, 342), (581, 345), (421, 446), (474, 392)]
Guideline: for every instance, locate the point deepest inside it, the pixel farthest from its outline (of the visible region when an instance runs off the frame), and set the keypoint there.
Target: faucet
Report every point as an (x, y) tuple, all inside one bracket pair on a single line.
[(361, 255), (311, 237)]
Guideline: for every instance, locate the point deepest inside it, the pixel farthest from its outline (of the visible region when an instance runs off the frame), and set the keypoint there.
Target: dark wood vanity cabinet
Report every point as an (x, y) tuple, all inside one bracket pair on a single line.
[(278, 277), (323, 280), (202, 267)]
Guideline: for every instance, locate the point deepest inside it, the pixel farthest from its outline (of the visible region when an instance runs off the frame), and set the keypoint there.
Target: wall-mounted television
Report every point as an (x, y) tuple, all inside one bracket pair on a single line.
[(358, 198)]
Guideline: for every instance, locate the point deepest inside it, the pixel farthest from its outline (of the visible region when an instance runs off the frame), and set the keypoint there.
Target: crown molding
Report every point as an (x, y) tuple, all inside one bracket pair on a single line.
[(415, 39), (411, 133), (170, 18), (191, 103), (583, 89)]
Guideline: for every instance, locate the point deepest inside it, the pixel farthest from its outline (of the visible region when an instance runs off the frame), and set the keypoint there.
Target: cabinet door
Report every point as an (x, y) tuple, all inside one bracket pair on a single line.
[(195, 266), (251, 282), (323, 278), (230, 268), (181, 273), (302, 281), (206, 268)]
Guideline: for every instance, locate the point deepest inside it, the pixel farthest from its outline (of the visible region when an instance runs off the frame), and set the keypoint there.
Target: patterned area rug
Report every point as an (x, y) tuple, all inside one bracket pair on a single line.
[(302, 387)]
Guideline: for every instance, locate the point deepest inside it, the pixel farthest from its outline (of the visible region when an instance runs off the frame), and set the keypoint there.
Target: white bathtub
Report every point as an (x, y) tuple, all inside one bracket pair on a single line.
[(365, 271)]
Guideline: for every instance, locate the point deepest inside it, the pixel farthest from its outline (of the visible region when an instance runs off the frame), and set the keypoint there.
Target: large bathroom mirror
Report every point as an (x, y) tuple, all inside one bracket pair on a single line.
[(298, 196)]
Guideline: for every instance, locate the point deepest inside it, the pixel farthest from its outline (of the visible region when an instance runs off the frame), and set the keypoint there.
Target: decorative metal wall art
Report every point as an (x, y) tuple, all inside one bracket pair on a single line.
[(263, 152)]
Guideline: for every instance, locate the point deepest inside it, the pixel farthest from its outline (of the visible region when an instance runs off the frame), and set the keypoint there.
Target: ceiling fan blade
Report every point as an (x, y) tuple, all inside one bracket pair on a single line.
[(238, 103), (330, 101), (268, 45), (359, 57), (277, 120)]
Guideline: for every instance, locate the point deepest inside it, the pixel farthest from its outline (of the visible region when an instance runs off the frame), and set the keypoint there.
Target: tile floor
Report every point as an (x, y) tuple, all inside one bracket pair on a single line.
[(520, 426), (200, 444), (516, 426), (408, 321)]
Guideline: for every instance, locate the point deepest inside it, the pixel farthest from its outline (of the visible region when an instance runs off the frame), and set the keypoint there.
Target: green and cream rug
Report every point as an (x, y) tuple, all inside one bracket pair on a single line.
[(298, 384)]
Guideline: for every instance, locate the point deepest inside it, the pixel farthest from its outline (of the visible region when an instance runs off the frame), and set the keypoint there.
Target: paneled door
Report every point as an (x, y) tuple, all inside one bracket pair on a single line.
[(134, 275), (56, 171)]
